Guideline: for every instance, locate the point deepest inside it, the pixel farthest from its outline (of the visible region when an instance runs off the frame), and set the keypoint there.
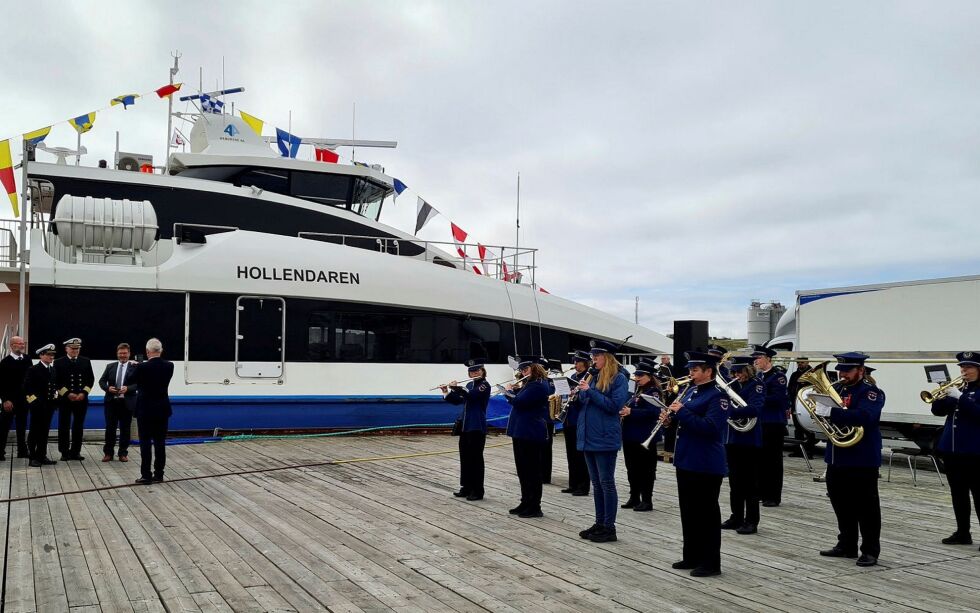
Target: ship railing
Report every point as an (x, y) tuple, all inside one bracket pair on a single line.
[(9, 236), (502, 262)]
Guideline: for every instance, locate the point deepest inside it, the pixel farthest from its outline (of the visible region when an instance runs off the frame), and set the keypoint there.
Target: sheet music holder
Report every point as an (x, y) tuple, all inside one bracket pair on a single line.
[(655, 401), (824, 400), (562, 387), (937, 373)]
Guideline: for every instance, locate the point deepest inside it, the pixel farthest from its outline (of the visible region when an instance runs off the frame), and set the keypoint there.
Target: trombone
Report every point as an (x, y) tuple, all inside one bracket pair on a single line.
[(673, 386), (942, 391)]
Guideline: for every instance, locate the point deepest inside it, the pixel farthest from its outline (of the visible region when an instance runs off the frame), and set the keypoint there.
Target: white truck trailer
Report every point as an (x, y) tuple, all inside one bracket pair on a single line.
[(904, 327)]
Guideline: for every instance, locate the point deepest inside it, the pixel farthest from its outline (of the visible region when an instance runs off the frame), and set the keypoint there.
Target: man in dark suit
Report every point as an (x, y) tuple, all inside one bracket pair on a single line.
[(41, 391), (13, 370), (153, 411), (120, 401), (75, 380)]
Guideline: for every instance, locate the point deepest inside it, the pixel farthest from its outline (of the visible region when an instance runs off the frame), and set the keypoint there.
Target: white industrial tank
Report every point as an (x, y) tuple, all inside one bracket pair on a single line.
[(104, 223), (758, 324)]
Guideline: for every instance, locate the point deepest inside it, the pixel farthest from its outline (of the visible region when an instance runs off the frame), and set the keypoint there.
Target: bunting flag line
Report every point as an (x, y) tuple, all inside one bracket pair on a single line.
[(168, 90), (326, 155), (424, 214), (399, 188), (7, 175), (83, 123), (177, 140), (288, 143), (37, 136), (211, 105), (459, 237), (125, 100), (253, 122)]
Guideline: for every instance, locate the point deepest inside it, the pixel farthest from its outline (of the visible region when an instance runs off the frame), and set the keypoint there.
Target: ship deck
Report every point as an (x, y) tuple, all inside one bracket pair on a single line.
[(368, 524)]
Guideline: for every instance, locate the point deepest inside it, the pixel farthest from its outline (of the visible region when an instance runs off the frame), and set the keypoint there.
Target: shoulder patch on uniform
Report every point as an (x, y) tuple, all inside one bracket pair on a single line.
[(484, 387), (759, 389), (723, 403), (782, 380), (872, 395)]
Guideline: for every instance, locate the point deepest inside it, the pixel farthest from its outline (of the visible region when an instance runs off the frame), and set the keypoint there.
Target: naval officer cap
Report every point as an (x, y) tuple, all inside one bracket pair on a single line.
[(700, 358), (581, 356), (849, 360), (645, 368), (475, 363), (741, 361), (73, 342), (597, 347), (761, 351), (968, 358), (49, 348)]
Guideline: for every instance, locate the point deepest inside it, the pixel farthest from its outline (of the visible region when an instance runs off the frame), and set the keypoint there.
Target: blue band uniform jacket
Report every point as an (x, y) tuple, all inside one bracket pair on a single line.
[(701, 426), (575, 405), (776, 402), (753, 392), (74, 376), (642, 419), (474, 398), (863, 403), (599, 427), (961, 434), (529, 412)]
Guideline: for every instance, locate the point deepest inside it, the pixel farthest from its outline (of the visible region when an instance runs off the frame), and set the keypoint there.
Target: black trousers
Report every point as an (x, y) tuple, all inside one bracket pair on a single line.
[(471, 468), (963, 472), (117, 415), (71, 426), (743, 481), (771, 462), (578, 472), (16, 417), (697, 495), (153, 440), (547, 455), (37, 438), (527, 459), (641, 469), (854, 495)]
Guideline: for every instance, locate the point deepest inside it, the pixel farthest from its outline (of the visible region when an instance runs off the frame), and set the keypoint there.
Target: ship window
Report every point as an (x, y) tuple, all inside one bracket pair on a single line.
[(267, 179), (368, 196), (320, 187)]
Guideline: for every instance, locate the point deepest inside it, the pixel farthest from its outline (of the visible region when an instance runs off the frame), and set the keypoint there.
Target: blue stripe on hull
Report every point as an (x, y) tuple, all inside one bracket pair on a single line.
[(301, 412)]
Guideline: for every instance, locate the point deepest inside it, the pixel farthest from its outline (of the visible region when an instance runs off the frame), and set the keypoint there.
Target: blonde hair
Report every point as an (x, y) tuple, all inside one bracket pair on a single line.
[(608, 373)]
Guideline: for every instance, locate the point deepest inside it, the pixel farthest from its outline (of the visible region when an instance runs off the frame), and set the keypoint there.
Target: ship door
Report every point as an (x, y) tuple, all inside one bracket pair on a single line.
[(260, 326)]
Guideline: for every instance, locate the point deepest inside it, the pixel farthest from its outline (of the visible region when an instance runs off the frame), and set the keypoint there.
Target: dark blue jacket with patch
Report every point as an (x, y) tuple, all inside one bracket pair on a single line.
[(529, 412), (961, 434), (753, 392), (776, 402), (701, 426), (863, 403), (474, 398), (642, 419)]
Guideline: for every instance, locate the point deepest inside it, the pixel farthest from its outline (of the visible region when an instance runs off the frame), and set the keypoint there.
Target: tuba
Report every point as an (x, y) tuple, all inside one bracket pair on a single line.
[(942, 391), (816, 380)]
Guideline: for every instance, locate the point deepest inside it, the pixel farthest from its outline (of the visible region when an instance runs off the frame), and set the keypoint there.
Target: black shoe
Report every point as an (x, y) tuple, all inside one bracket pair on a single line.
[(144, 481), (867, 560), (838, 552), (646, 505), (531, 513), (567, 490), (3, 457), (461, 494), (604, 535), (731, 524), (588, 531), (158, 479), (546, 481), (958, 538), (78, 457), (472, 497), (683, 565), (770, 503), (747, 528), (34, 463), (517, 510), (48, 462), (704, 571), (64, 457), (580, 493), (632, 502)]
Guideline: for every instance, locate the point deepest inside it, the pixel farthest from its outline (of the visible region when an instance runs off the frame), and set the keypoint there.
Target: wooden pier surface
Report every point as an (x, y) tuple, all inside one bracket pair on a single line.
[(386, 534)]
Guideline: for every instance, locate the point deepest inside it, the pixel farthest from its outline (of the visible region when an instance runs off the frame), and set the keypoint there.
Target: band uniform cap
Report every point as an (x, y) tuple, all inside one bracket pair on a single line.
[(759, 351), (741, 361), (849, 360), (717, 349), (968, 358), (73, 342), (475, 363), (597, 346), (49, 348), (543, 362), (700, 358), (645, 368), (581, 356), (526, 361)]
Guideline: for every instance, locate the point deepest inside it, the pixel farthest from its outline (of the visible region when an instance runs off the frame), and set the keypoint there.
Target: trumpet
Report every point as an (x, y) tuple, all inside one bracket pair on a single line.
[(942, 391), (743, 424), (673, 386)]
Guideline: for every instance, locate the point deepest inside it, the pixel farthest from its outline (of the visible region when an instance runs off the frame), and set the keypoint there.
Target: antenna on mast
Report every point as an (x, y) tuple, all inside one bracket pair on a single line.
[(170, 110), (517, 238)]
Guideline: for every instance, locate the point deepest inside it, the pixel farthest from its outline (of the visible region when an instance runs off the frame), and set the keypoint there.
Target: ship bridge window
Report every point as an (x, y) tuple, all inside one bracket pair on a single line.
[(324, 188), (266, 179), (367, 199)]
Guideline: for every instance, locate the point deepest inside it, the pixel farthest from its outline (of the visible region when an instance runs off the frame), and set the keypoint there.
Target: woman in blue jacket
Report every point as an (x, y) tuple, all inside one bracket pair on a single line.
[(528, 429), (742, 449), (639, 419), (473, 433), (600, 435)]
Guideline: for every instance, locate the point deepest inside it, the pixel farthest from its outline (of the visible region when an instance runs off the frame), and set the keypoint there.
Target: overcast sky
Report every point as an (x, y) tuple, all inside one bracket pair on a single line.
[(694, 154)]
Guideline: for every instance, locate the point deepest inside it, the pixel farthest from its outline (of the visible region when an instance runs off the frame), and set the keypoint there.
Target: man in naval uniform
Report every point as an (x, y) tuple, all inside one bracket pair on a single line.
[(75, 379), (40, 393)]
